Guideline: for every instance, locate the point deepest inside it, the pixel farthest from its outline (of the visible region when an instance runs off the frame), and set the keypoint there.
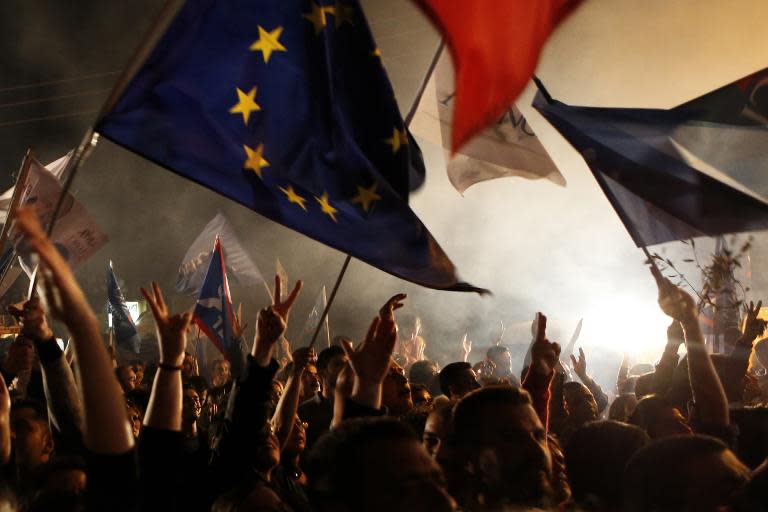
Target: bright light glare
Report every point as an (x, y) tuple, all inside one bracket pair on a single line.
[(627, 325)]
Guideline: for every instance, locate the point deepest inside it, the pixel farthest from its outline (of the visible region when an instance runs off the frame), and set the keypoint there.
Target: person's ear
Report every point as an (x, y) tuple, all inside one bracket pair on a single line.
[(48, 444)]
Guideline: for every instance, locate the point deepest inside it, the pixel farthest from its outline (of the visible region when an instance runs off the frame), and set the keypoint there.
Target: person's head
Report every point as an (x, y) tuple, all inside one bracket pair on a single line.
[(437, 429), (508, 460), (499, 355), (188, 366), (330, 362), (595, 458), (422, 372), (200, 385), (64, 475), (220, 373), (267, 454), (659, 418), (579, 402), (644, 385), (374, 464), (622, 407), (31, 436), (20, 356), (310, 383), (684, 473), (134, 417), (457, 379), (297, 439), (396, 392), (127, 378), (275, 392), (138, 367), (420, 394), (191, 405)]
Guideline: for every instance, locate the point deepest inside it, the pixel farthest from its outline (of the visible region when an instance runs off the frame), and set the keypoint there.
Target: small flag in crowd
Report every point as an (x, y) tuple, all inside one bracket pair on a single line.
[(495, 48), (508, 147), (283, 275), (284, 106), (56, 168), (694, 170), (313, 320), (126, 335), (213, 311), (198, 256)]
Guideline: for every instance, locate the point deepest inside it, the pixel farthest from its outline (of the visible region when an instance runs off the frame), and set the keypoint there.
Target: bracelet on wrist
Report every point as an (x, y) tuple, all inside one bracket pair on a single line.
[(169, 367)]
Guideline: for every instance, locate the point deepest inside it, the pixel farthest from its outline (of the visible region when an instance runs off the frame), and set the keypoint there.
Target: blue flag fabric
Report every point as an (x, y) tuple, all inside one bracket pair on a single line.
[(126, 335), (678, 173), (284, 106), (213, 311)]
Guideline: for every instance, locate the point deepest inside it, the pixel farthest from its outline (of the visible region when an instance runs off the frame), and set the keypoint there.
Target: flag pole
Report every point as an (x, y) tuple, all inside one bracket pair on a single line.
[(18, 190), (330, 300)]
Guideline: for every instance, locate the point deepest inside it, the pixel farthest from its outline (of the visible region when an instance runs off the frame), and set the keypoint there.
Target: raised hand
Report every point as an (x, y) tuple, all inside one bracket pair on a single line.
[(544, 353), (171, 329), (31, 315), (238, 322), (579, 365), (673, 301), (675, 334), (466, 347), (272, 322), (371, 360), (753, 327)]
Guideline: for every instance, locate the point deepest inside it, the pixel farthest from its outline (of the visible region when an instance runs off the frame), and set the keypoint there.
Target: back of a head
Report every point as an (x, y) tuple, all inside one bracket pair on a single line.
[(595, 458), (469, 411), (648, 411), (422, 372), (326, 355), (450, 375), (496, 350), (335, 470), (681, 473)]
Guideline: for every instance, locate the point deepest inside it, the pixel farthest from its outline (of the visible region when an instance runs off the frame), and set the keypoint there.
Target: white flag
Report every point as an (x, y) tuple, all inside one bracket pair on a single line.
[(508, 148), (56, 168), (76, 235)]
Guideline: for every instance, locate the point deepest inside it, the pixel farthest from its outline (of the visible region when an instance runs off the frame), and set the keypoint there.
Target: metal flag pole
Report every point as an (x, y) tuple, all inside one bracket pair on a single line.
[(18, 191), (330, 300)]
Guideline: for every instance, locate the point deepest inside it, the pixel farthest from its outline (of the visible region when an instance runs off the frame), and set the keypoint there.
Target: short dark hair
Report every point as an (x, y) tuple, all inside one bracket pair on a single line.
[(420, 372), (326, 355), (335, 467), (450, 374), (647, 411), (595, 458), (40, 410), (655, 474), (496, 349), (198, 383), (466, 414)]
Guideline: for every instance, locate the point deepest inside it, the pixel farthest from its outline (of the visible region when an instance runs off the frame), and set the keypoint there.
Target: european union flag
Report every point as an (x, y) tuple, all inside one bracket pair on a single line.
[(284, 106), (126, 334), (694, 170), (213, 311)]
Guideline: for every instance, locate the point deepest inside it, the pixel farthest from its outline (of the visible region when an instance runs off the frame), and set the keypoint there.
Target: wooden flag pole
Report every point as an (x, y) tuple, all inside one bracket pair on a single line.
[(18, 191), (330, 300)]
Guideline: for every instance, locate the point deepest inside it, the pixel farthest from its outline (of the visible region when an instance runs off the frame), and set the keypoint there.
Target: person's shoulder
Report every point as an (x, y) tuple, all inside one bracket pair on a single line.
[(314, 403)]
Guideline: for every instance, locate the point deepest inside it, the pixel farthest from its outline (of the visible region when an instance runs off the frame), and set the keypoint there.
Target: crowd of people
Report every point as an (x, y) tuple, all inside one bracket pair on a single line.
[(369, 426)]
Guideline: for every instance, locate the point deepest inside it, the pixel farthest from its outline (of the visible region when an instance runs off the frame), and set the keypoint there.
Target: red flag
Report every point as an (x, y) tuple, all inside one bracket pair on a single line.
[(495, 46)]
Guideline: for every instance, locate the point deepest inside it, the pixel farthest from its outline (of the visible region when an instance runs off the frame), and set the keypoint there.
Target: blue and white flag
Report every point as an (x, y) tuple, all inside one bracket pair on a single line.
[(213, 311), (126, 335)]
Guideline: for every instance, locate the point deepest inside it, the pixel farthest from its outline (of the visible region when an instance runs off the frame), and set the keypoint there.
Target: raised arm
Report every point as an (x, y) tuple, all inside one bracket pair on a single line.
[(580, 369), (544, 357), (285, 413), (106, 429), (708, 393), (165, 400), (369, 363), (738, 359), (59, 386), (662, 376)]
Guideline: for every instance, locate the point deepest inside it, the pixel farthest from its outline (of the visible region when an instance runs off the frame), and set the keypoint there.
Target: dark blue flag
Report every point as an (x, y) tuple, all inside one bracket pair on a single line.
[(679, 173), (213, 311), (284, 106), (126, 335)]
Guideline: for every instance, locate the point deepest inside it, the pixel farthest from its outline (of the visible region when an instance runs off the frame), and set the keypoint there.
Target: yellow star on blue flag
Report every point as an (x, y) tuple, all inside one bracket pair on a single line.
[(280, 106)]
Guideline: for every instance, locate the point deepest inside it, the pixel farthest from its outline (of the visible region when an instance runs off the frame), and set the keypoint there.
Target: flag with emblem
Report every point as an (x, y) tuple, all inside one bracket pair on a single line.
[(125, 331), (313, 319), (284, 106), (213, 311)]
